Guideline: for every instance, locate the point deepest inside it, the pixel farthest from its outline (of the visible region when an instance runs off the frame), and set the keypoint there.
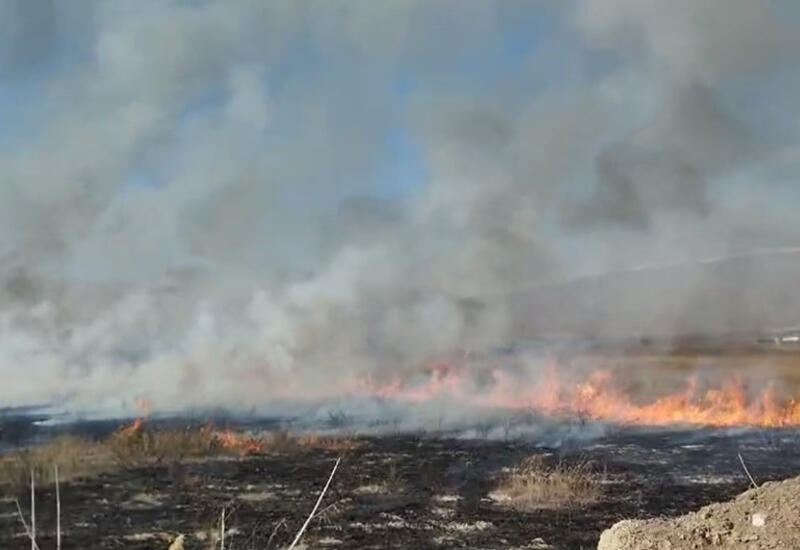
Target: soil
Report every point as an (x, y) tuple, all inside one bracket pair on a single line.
[(764, 518), (404, 491)]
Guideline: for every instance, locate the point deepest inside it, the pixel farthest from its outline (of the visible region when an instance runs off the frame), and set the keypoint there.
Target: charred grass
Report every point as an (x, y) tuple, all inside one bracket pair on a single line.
[(395, 492)]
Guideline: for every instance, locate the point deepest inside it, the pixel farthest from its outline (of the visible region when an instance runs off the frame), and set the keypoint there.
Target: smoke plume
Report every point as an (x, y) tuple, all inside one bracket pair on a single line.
[(226, 203)]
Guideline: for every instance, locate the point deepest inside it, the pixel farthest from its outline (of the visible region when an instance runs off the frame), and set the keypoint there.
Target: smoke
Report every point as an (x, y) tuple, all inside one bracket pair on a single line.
[(228, 203)]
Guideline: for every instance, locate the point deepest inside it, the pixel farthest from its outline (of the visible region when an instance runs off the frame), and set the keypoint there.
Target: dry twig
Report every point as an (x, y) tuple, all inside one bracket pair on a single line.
[(313, 511), (755, 485), (25, 525)]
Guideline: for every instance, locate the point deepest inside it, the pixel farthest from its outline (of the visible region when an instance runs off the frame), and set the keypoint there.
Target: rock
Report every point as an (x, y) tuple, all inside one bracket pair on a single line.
[(759, 519), (177, 544)]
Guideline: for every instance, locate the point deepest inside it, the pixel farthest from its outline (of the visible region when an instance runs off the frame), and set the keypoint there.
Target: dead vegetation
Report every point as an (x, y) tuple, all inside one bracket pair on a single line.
[(391, 484), (74, 457), (533, 484), (139, 445)]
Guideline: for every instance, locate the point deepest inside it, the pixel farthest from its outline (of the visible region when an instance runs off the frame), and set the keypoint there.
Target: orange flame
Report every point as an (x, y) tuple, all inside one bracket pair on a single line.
[(599, 397), (144, 407), (240, 443), (132, 429)]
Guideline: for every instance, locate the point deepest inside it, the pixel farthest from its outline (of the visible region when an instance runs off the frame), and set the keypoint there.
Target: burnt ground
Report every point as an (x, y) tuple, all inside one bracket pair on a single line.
[(432, 492)]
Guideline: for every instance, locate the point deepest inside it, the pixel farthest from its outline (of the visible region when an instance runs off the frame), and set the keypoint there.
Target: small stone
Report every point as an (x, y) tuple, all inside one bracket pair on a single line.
[(758, 519), (177, 544)]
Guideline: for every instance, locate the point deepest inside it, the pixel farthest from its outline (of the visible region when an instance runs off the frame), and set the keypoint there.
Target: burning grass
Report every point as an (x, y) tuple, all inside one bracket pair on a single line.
[(139, 445), (610, 394), (136, 446), (533, 484)]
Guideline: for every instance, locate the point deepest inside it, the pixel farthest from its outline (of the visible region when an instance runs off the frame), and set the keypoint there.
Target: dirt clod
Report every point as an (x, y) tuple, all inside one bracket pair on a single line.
[(767, 517)]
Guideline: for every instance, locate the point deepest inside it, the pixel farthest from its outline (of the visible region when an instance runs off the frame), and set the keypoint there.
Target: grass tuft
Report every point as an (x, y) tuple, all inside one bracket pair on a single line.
[(136, 445), (533, 484)]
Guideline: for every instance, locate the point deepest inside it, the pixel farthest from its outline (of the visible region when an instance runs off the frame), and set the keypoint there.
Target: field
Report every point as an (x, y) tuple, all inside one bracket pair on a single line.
[(527, 480), (403, 491)]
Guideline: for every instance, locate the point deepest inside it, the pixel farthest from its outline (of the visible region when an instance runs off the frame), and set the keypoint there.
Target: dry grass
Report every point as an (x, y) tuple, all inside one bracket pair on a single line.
[(339, 444), (133, 447), (392, 484), (532, 484), (282, 441), (138, 445), (74, 456)]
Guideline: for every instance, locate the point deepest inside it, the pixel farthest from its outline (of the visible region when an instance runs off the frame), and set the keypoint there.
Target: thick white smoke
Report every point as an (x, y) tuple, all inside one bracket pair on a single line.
[(196, 206)]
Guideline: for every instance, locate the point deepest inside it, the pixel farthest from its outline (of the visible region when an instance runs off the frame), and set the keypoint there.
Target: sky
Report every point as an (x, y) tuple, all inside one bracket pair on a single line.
[(211, 193)]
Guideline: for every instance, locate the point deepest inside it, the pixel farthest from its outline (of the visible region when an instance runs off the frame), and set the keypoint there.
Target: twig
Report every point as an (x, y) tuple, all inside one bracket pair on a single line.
[(25, 525), (753, 481), (319, 500), (58, 511), (33, 512)]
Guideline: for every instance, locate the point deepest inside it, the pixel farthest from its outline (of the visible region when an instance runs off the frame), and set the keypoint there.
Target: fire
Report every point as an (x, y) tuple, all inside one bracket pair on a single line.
[(599, 397), (132, 429), (135, 428), (241, 443), (144, 406)]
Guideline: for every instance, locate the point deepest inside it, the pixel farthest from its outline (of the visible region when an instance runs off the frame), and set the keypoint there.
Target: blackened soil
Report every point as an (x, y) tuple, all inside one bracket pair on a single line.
[(399, 492)]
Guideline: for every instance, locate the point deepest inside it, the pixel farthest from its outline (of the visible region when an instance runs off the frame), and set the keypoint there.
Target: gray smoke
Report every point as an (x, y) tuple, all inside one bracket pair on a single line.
[(196, 210)]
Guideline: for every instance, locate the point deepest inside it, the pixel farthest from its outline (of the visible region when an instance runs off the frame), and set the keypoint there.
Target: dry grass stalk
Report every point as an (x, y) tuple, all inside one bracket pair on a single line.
[(314, 510), (33, 511), (281, 523), (74, 457), (532, 484), (58, 509), (752, 481), (25, 525), (222, 530)]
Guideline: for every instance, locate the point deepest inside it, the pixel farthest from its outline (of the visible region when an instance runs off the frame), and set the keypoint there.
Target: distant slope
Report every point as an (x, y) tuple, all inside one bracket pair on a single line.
[(750, 293)]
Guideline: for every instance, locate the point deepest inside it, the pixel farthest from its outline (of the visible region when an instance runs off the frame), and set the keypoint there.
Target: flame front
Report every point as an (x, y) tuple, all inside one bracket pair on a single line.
[(598, 396)]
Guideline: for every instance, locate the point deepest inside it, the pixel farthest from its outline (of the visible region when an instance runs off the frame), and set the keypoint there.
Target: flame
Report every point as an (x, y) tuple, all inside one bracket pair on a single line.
[(598, 397), (241, 443), (132, 429), (135, 428), (144, 406)]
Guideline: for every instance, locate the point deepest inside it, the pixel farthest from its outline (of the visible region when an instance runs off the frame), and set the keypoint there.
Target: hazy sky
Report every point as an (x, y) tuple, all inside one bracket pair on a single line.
[(328, 181)]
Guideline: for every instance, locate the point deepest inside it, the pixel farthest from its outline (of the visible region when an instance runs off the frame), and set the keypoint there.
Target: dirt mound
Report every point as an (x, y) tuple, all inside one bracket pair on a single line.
[(767, 517)]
